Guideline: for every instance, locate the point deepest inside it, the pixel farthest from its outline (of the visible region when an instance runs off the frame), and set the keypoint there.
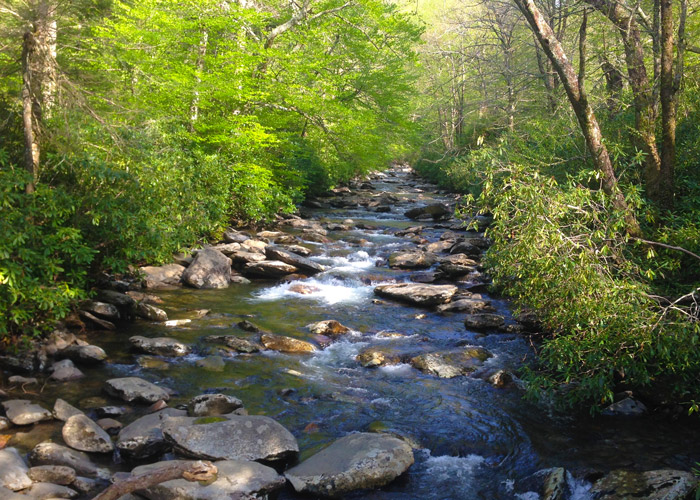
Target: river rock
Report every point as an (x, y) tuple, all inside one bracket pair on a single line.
[(65, 370), (135, 389), (236, 438), (469, 305), (63, 411), (285, 344), (235, 479), (484, 321), (209, 269), (466, 247), (302, 263), (57, 474), (99, 323), (162, 276), (85, 354), (330, 328), (664, 484), (377, 356), (411, 260), (123, 301), (227, 248), (500, 379), (151, 312), (456, 265), (357, 461), (23, 381), (434, 210), (417, 293), (627, 407), (438, 246), (101, 309), (206, 405), (298, 249), (233, 236), (303, 289), (143, 438), (24, 412), (272, 269), (449, 364), (13, 470), (5, 424), (242, 257), (49, 491), (56, 454), (236, 343), (159, 346), (254, 246), (81, 433)]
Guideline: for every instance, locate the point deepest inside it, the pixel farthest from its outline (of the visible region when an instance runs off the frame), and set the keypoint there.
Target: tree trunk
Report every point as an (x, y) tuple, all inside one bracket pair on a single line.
[(668, 105), (199, 68), (29, 107), (644, 102), (582, 108), (45, 35)]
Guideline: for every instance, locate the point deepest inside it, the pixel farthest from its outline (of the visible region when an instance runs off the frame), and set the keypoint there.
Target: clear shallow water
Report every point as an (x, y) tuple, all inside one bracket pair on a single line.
[(472, 440)]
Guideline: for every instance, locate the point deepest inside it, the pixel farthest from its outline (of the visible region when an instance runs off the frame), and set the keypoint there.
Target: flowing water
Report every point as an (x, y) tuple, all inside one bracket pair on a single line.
[(472, 440)]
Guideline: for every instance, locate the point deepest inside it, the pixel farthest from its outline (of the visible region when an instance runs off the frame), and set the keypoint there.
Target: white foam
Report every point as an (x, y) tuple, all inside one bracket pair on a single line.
[(398, 370), (328, 290), (338, 354), (451, 469)]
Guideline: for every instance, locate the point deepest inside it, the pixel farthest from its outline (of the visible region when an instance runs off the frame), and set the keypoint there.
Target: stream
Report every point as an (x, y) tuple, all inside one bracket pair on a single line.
[(471, 439)]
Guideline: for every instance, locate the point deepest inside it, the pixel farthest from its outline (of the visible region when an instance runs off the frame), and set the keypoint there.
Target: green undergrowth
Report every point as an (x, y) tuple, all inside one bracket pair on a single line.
[(558, 248)]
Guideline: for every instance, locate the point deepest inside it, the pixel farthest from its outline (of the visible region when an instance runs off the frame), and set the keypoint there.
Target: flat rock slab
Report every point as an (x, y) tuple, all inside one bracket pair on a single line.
[(162, 276), (24, 412), (272, 269), (57, 474), (235, 479), (81, 433), (470, 306), (417, 293), (411, 260), (235, 438), (63, 410), (143, 438), (56, 454), (664, 484), (285, 344), (13, 471), (449, 364), (135, 389), (302, 263), (159, 346), (47, 491), (356, 461)]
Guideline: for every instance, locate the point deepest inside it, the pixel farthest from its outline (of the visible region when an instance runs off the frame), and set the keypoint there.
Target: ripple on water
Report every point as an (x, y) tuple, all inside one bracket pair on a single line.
[(452, 476)]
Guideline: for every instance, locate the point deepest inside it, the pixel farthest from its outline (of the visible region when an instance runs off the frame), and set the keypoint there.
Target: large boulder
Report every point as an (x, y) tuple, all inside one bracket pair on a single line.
[(354, 462), (160, 346), (56, 454), (236, 343), (135, 389), (285, 344), (664, 484), (162, 276), (24, 412), (101, 309), (209, 269), (236, 437), (417, 293), (435, 211), (270, 269), (13, 471), (235, 479), (151, 312), (411, 260), (449, 364), (302, 263), (81, 433), (143, 438), (377, 356)]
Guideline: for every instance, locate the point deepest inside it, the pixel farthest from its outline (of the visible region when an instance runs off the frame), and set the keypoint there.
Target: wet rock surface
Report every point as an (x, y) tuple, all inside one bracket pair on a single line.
[(354, 462), (135, 389), (418, 294)]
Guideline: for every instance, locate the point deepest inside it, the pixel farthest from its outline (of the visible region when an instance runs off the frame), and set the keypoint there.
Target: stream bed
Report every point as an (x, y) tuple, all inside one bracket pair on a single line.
[(471, 440)]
